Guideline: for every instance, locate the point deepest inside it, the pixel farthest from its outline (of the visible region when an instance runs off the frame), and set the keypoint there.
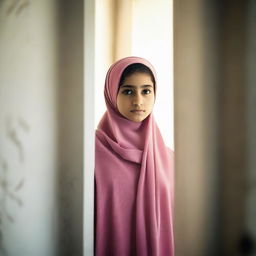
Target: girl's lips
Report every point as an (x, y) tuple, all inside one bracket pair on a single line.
[(137, 111)]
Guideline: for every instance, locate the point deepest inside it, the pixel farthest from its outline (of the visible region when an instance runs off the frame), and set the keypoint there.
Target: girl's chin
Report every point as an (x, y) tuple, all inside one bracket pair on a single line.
[(137, 118)]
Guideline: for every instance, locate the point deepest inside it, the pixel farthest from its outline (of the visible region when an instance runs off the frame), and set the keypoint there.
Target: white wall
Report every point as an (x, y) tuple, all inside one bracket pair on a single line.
[(28, 134), (41, 128), (89, 131)]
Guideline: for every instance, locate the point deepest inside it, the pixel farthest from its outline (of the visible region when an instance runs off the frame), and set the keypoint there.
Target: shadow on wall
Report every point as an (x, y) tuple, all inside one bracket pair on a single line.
[(9, 192), (70, 123), (14, 7), (15, 128)]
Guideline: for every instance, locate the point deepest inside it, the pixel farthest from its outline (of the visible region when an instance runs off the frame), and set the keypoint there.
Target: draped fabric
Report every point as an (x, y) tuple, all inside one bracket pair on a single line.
[(134, 180)]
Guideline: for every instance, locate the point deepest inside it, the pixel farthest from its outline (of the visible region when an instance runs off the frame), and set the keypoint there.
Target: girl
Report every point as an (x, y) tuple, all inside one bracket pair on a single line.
[(134, 170)]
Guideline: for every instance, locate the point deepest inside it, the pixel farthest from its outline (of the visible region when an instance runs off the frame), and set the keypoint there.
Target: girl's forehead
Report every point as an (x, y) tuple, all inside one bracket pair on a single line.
[(137, 86), (138, 78)]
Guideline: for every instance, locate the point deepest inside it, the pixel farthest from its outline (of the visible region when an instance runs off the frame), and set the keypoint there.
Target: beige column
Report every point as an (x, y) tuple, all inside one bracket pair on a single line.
[(210, 126), (195, 108)]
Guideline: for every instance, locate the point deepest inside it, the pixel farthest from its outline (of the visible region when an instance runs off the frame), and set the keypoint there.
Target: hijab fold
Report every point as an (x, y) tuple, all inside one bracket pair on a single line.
[(134, 179)]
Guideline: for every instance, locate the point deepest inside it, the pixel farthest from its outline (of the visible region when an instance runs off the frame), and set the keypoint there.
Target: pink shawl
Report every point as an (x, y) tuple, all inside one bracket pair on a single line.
[(134, 180)]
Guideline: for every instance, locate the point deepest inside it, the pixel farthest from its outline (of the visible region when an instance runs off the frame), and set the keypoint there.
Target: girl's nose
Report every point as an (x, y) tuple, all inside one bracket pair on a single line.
[(137, 100)]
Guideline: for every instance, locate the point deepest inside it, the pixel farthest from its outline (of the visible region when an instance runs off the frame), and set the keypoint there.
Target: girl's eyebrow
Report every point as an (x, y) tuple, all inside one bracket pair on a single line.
[(142, 86)]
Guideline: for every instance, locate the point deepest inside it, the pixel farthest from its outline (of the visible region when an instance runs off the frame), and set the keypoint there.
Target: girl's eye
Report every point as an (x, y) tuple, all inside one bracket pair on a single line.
[(126, 92), (147, 91), (129, 92)]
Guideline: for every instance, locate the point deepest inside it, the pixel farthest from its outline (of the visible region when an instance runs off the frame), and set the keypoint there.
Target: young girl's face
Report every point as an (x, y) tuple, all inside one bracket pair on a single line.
[(136, 93)]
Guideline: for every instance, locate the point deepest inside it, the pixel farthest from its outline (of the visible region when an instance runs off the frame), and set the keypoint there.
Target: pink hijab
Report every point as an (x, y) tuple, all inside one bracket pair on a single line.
[(134, 180)]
